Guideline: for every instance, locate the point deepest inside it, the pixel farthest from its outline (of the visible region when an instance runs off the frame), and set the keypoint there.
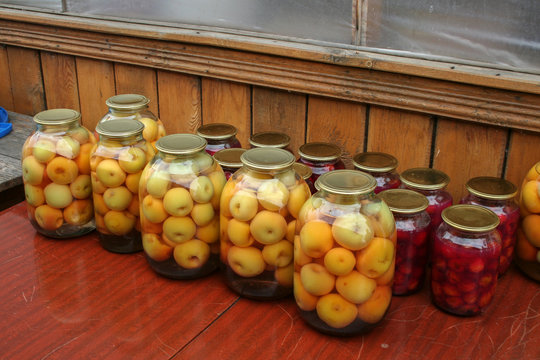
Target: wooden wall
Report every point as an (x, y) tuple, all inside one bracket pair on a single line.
[(34, 80)]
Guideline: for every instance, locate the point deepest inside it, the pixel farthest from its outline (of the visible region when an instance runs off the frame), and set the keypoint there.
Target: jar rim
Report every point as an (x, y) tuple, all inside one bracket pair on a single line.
[(375, 161), (303, 170), (320, 151), (472, 218), (270, 139), (125, 102), (229, 157), (120, 128), (217, 131), (491, 188), (57, 117), (267, 159), (425, 178), (181, 144), (404, 201), (346, 182)]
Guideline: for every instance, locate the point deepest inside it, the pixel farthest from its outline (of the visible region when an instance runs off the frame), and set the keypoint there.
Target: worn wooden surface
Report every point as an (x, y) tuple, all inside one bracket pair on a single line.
[(26, 80), (72, 299), (10, 150), (60, 81), (6, 93)]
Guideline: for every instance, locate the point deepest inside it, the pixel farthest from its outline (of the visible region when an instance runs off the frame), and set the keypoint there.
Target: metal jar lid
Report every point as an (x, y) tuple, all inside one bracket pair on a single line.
[(57, 117), (424, 178), (403, 201), (120, 128), (319, 151), (472, 218), (375, 162), (127, 102), (491, 188), (267, 159), (270, 139), (303, 170), (217, 131), (346, 182), (229, 157), (181, 144)]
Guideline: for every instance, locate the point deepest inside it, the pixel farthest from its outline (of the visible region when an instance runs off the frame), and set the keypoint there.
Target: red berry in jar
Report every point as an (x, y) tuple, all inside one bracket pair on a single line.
[(219, 136), (321, 157), (381, 166)]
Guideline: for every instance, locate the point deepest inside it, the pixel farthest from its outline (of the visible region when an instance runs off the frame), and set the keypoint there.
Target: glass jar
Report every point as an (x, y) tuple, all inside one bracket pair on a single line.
[(381, 166), (259, 207), (229, 160), (321, 158), (56, 175), (219, 136), (527, 255), (272, 139), (305, 173), (498, 195), (179, 194), (465, 259), (413, 225), (344, 255), (135, 107), (117, 164)]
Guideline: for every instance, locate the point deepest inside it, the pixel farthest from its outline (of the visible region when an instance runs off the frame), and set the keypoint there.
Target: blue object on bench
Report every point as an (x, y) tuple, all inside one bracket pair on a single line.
[(5, 125)]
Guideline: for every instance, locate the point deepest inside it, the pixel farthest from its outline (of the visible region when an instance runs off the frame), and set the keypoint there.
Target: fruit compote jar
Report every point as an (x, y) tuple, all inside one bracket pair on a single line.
[(117, 164), (272, 139), (259, 207), (305, 172), (321, 157), (135, 107), (465, 259), (498, 195), (179, 194), (527, 255), (229, 160), (381, 166), (344, 255), (413, 226), (56, 175), (219, 136)]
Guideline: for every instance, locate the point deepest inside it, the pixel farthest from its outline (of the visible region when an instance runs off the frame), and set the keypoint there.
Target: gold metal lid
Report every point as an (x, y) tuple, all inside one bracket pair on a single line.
[(230, 157), (270, 139), (126, 102), (424, 178), (346, 182), (267, 159), (375, 162), (181, 144), (120, 128), (217, 131), (303, 170), (403, 201), (471, 218), (319, 151), (492, 188), (57, 117)]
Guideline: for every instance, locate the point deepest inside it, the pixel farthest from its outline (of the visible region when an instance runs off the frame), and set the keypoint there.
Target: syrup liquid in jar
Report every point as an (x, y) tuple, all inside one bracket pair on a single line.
[(381, 166), (219, 136)]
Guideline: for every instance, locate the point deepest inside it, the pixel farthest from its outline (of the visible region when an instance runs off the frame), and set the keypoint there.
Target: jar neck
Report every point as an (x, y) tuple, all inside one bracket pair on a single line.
[(345, 199), (57, 128), (127, 140), (126, 112), (272, 172)]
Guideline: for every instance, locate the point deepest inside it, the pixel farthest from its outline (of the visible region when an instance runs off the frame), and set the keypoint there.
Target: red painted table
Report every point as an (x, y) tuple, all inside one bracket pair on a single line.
[(71, 299)]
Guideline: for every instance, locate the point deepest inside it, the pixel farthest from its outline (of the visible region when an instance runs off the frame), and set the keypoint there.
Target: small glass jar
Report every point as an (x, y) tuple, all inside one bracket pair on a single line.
[(498, 195), (259, 207), (229, 160), (305, 172), (527, 255), (344, 255), (219, 136), (381, 166), (117, 164), (272, 139), (321, 157), (135, 107), (465, 259), (179, 194), (56, 175), (413, 225)]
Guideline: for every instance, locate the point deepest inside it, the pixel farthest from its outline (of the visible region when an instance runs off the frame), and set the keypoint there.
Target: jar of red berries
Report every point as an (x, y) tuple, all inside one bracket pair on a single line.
[(381, 166), (219, 136), (321, 157)]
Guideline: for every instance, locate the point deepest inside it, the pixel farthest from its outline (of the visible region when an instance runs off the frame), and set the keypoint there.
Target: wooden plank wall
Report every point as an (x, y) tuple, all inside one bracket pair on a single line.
[(36, 80)]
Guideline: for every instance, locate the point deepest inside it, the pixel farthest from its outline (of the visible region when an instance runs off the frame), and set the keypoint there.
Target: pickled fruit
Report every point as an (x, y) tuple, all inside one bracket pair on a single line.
[(321, 158), (381, 166)]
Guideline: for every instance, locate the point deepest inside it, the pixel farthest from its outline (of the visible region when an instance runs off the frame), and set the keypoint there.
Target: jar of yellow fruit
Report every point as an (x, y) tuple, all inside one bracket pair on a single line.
[(344, 255), (527, 250), (134, 106), (117, 163), (259, 207), (179, 196), (56, 174)]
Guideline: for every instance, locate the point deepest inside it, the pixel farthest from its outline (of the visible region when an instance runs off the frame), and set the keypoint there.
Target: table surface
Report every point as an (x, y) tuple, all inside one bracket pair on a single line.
[(70, 299)]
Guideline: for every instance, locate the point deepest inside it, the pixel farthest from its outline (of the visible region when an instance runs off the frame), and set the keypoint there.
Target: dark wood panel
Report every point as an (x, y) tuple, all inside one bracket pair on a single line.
[(131, 79), (523, 153), (60, 81), (6, 95)]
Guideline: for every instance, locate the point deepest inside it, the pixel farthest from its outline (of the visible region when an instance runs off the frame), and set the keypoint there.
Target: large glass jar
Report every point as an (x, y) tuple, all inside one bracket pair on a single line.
[(498, 195), (229, 160), (135, 107), (117, 164), (305, 173), (527, 255), (179, 194), (381, 166), (56, 175), (219, 136), (321, 157), (465, 259), (272, 139), (259, 207), (344, 255), (413, 225)]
